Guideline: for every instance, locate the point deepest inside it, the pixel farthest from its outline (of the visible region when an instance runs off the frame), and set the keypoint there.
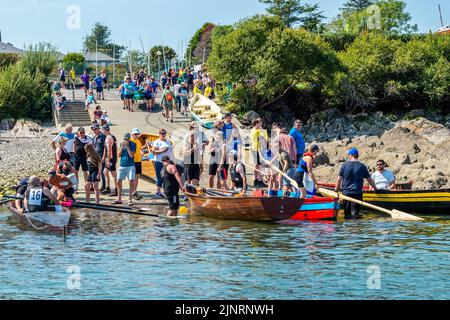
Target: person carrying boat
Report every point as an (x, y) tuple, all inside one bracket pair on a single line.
[(383, 178), (172, 183), (237, 173), (304, 176), (351, 182), (37, 198)]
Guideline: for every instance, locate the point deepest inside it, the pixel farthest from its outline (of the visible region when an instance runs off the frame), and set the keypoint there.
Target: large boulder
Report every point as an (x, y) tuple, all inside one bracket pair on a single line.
[(249, 116), (7, 124), (26, 128)]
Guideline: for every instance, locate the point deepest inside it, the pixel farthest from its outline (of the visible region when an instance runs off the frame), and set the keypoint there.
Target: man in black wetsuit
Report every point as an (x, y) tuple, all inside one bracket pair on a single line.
[(172, 183)]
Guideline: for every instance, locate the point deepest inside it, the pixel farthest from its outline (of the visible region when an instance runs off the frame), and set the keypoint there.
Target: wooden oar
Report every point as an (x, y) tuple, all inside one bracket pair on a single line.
[(106, 208), (292, 181), (395, 214), (252, 167), (5, 201)]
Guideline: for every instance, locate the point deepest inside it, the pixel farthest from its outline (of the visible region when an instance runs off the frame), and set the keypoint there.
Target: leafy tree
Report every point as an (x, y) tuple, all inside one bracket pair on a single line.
[(385, 16), (200, 44), (267, 60), (168, 52), (356, 5), (293, 12), (73, 57), (99, 38)]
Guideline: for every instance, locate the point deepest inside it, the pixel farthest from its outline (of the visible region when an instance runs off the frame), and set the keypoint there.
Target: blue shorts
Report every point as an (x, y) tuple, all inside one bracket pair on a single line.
[(128, 96), (126, 173)]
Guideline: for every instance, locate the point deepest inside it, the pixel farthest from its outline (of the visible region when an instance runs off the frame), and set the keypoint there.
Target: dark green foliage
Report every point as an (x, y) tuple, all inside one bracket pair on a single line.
[(99, 39), (356, 5), (294, 12), (7, 59)]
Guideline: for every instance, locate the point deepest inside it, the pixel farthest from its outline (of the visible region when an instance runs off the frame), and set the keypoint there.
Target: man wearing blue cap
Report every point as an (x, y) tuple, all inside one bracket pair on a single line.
[(351, 182)]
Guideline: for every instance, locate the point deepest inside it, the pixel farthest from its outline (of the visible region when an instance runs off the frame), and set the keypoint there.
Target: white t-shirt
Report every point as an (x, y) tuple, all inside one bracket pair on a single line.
[(160, 145), (383, 179)]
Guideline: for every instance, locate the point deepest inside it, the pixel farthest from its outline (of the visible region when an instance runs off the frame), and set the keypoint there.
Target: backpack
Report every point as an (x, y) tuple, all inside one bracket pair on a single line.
[(169, 97)]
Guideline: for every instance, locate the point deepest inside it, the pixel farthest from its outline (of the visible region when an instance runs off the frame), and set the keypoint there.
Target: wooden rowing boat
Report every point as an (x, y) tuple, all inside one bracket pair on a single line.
[(424, 202), (263, 208), (43, 220), (148, 163), (204, 111)]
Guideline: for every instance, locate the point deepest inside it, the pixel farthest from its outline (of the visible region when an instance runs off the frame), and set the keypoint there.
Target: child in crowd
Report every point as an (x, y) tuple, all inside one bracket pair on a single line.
[(90, 99)]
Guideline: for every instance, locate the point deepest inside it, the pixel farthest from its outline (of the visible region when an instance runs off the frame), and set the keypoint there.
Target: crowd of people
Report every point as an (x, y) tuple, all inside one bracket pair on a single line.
[(281, 162)]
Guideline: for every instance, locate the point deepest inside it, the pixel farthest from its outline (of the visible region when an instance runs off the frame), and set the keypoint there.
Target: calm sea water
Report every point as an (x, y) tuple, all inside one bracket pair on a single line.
[(110, 256)]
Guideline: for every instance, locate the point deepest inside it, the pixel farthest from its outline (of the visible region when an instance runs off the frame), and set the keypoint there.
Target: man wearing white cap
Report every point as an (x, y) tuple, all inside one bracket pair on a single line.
[(135, 134)]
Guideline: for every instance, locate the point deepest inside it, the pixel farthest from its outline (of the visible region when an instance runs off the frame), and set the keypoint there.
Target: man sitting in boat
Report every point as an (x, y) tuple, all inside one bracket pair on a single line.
[(384, 178), (237, 173), (37, 197)]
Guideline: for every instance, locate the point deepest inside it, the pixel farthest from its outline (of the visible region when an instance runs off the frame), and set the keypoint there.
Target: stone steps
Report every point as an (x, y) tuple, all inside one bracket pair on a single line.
[(75, 114)]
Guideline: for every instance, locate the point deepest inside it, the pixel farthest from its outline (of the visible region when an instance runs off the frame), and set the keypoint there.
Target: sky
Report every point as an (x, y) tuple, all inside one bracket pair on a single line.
[(64, 23)]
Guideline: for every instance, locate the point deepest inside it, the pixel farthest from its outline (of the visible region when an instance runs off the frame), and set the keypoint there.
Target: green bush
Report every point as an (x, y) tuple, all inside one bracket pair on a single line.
[(23, 94), (74, 57), (40, 58), (7, 59)]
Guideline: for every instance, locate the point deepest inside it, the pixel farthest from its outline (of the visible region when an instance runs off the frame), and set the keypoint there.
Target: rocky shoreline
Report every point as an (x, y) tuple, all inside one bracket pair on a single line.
[(416, 150), (24, 151)]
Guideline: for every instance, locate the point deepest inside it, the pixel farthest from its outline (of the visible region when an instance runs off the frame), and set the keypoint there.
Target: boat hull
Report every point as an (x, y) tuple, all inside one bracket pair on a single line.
[(43, 221), (263, 208), (425, 202)]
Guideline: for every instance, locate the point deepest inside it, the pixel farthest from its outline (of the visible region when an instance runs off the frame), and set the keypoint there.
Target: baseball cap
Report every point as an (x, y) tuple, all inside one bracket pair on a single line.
[(315, 147), (165, 158), (227, 115), (135, 131), (127, 136), (105, 127), (95, 126), (353, 152)]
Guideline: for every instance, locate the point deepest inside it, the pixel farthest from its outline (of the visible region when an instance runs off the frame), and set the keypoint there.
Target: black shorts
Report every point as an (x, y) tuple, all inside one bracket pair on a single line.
[(92, 174), (148, 96), (192, 171), (81, 163), (173, 199), (138, 166), (122, 96), (212, 169), (99, 89), (105, 81), (128, 96), (223, 173), (86, 86), (112, 166), (299, 179)]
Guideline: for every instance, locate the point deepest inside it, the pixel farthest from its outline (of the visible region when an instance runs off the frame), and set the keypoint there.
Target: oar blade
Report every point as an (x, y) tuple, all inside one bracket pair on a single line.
[(400, 215)]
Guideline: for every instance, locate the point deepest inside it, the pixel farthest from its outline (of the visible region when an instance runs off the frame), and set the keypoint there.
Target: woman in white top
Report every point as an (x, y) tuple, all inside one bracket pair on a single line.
[(160, 148)]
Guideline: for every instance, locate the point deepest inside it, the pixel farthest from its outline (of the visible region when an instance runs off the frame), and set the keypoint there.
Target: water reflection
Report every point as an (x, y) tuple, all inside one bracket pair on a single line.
[(123, 256)]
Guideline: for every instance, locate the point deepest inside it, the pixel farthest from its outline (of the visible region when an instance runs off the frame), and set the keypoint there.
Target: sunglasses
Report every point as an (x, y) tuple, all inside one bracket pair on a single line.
[(163, 133), (380, 164)]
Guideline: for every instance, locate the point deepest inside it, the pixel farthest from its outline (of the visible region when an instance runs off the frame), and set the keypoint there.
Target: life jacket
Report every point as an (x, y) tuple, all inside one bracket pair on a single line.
[(303, 166), (236, 177)]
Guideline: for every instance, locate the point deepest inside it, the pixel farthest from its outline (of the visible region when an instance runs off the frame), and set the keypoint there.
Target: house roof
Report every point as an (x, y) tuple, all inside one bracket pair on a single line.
[(91, 56), (9, 48)]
